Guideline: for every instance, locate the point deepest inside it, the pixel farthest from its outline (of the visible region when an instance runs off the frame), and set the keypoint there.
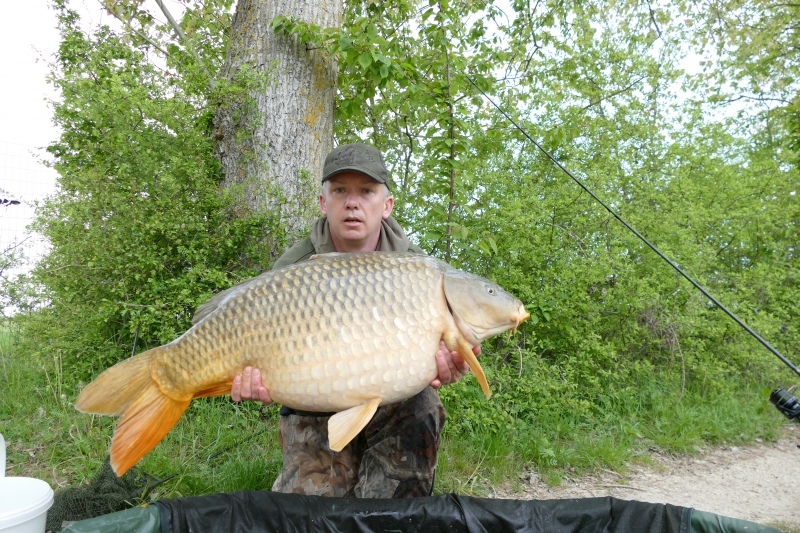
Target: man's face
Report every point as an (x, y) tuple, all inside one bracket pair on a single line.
[(355, 204)]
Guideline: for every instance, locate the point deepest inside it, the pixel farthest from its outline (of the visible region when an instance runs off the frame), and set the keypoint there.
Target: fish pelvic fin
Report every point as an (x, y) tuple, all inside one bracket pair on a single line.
[(113, 390), (343, 427), (147, 420), (456, 342)]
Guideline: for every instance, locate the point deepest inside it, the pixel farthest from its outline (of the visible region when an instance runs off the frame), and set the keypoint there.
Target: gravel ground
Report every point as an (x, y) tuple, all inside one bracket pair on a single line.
[(759, 483)]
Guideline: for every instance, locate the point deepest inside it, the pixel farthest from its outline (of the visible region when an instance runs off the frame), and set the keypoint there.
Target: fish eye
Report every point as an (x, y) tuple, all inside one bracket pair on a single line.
[(490, 290)]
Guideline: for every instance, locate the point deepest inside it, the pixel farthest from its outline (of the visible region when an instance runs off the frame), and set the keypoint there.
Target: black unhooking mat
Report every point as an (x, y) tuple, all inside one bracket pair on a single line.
[(270, 512)]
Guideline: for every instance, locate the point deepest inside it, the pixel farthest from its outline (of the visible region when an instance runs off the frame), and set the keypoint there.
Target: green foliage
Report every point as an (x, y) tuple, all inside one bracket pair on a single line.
[(751, 56), (620, 354), (141, 232), (793, 121), (11, 257), (595, 83), (756, 43)]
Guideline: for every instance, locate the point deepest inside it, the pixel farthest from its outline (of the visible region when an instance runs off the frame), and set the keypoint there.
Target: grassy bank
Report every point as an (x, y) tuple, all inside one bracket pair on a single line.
[(562, 442), (219, 446)]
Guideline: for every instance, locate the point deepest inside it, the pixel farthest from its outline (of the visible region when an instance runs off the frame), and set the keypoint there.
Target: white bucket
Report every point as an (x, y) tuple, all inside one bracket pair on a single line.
[(24, 501)]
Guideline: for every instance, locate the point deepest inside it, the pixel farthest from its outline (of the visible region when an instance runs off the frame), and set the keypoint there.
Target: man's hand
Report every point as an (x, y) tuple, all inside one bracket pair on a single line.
[(452, 366), (248, 386)]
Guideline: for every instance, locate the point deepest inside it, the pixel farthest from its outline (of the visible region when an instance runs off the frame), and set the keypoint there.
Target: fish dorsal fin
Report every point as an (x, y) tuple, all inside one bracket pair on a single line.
[(344, 426), (210, 305), (321, 256), (213, 303)]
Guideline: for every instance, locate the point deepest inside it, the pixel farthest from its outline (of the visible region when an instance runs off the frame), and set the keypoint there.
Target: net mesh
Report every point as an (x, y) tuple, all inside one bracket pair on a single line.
[(106, 493)]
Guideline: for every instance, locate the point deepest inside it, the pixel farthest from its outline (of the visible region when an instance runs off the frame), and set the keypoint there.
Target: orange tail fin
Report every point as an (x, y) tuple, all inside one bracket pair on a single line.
[(147, 420), (113, 390), (128, 389)]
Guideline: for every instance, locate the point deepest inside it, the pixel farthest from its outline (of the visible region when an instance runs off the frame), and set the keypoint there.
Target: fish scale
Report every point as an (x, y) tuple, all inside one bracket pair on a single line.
[(303, 337), (341, 333)]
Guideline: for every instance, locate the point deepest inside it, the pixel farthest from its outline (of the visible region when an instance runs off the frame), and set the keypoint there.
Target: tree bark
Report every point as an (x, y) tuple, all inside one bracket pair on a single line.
[(276, 148)]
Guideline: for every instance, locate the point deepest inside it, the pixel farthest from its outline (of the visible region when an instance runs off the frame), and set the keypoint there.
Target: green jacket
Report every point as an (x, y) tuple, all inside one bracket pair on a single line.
[(392, 239)]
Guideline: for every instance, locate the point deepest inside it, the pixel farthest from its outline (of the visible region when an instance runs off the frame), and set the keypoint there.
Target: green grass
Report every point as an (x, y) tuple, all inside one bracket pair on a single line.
[(782, 526), (559, 442), (50, 440)]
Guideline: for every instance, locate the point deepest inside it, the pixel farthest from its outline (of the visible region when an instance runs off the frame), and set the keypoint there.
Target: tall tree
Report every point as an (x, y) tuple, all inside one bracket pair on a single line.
[(282, 137), (272, 139)]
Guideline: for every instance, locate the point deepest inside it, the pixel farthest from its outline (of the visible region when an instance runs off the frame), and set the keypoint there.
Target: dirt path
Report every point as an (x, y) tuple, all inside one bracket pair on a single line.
[(760, 483)]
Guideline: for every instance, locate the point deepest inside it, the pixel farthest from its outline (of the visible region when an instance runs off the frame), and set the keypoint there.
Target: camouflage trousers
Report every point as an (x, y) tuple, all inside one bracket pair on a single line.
[(393, 457)]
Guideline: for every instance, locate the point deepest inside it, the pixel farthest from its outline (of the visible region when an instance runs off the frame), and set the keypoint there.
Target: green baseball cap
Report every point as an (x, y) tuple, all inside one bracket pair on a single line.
[(359, 158)]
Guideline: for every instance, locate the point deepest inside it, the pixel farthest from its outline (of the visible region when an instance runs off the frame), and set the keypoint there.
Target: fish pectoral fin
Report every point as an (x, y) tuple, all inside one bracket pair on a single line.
[(344, 426), (456, 342), (147, 420), (215, 390)]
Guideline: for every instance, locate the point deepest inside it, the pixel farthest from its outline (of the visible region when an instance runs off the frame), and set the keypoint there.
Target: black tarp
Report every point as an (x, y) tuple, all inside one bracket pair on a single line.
[(262, 512), (270, 512)]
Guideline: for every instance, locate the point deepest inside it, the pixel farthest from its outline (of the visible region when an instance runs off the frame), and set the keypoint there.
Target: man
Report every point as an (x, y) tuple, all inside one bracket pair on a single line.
[(395, 455)]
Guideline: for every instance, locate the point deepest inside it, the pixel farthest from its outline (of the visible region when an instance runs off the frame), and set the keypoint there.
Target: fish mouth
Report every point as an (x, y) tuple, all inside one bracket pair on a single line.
[(519, 317)]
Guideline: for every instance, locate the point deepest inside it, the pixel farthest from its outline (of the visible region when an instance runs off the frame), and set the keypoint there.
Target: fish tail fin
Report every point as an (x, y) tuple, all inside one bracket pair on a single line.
[(147, 420), (128, 389), (112, 391)]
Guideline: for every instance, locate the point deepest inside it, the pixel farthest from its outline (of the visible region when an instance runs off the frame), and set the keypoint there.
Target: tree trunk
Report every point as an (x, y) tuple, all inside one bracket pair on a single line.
[(276, 151)]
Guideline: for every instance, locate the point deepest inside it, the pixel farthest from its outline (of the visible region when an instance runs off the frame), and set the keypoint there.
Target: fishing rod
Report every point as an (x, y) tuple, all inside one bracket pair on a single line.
[(784, 399)]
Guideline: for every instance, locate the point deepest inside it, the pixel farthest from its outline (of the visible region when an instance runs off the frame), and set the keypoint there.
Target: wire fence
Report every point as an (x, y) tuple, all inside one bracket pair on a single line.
[(24, 181)]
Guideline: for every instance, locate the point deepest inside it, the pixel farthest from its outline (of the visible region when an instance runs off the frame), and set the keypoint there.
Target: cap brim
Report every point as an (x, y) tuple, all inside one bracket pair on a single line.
[(353, 169)]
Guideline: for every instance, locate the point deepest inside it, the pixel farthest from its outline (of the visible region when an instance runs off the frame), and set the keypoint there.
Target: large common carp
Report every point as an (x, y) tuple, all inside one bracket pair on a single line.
[(341, 332)]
